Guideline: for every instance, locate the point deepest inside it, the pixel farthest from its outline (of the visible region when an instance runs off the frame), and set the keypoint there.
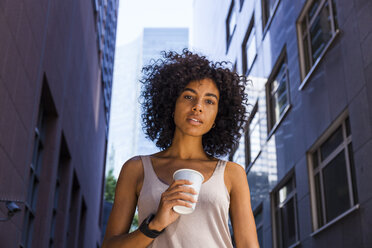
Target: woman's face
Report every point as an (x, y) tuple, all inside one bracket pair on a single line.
[(196, 107)]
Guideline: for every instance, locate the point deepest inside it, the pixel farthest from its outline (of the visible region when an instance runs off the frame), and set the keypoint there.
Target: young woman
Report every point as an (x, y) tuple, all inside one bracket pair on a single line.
[(194, 109)]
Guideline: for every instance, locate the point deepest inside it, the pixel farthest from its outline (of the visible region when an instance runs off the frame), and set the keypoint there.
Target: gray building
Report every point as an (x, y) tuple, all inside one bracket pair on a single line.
[(308, 141), (54, 104), (156, 40), (124, 106)]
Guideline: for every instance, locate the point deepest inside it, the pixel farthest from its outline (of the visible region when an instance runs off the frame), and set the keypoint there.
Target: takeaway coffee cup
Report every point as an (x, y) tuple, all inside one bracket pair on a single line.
[(197, 179)]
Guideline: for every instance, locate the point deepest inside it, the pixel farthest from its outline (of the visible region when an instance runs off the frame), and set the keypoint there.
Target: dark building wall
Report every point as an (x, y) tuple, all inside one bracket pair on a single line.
[(50, 57), (339, 85)]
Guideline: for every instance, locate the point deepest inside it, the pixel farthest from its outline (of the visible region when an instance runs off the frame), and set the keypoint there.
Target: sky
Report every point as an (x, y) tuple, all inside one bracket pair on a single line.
[(134, 15)]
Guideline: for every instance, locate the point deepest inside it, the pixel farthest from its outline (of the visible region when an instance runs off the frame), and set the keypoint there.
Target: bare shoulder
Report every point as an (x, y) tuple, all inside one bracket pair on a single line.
[(131, 173), (234, 175), (234, 170), (132, 165)]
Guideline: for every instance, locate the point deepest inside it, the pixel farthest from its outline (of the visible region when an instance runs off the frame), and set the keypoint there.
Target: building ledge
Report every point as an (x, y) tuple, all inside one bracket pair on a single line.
[(297, 244), (340, 217)]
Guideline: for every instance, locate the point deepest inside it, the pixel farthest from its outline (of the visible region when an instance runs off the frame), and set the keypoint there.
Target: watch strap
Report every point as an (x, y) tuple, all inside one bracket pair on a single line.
[(144, 228)]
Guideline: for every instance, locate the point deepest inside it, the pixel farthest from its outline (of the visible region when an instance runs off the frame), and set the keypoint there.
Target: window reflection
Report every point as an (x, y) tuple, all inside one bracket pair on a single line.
[(262, 174), (254, 136), (318, 26), (249, 48)]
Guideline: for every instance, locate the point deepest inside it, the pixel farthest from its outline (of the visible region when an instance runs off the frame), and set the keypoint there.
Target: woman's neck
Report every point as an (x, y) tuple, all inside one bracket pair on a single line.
[(186, 147)]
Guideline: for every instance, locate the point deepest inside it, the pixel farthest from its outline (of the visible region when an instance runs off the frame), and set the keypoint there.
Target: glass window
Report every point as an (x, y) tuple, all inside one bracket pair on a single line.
[(336, 194), (268, 7), (249, 48), (230, 23), (278, 93), (318, 26), (334, 185), (254, 136), (331, 143), (34, 179), (241, 4), (286, 227)]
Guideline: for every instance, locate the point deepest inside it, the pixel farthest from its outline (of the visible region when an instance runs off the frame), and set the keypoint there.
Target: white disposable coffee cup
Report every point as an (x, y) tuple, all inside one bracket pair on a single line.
[(197, 179)]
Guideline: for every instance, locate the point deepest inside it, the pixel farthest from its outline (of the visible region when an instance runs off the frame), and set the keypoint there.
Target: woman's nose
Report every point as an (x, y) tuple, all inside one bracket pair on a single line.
[(197, 108)]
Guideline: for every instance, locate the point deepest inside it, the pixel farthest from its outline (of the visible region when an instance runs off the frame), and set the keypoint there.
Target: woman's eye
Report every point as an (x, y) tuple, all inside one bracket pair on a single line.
[(209, 101), (188, 97)]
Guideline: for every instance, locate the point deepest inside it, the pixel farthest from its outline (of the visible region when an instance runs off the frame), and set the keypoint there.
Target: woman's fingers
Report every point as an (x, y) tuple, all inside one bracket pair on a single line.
[(178, 202), (179, 193), (180, 196), (184, 189), (179, 182), (181, 185)]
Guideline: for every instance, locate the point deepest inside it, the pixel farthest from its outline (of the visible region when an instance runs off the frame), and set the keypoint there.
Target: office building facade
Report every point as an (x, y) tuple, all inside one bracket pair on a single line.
[(307, 142), (54, 102)]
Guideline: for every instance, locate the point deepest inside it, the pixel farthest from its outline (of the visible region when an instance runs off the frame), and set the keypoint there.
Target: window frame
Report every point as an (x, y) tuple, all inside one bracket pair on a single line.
[(229, 34), (271, 126), (251, 32), (277, 234), (343, 147), (301, 35), (241, 3), (34, 178), (247, 136), (266, 20)]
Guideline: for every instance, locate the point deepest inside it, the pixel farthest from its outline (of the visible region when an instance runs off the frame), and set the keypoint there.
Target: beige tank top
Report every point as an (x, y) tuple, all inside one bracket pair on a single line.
[(206, 227)]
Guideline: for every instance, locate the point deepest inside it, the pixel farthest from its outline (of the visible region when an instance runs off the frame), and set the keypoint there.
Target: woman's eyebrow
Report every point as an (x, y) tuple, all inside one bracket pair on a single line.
[(189, 89), (207, 94), (212, 95)]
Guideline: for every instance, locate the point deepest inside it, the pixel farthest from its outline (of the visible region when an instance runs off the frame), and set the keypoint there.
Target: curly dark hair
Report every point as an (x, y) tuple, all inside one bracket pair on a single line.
[(164, 80)]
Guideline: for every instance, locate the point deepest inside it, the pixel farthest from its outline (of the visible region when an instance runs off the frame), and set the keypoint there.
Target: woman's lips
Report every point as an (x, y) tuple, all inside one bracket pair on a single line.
[(194, 121)]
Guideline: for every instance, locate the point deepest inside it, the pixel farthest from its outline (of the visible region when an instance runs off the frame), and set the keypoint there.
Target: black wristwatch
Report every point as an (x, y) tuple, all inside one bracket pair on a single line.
[(144, 228)]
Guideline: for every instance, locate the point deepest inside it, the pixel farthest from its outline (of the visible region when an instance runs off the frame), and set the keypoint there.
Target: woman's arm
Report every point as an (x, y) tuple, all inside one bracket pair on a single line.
[(242, 219), (125, 205), (123, 210)]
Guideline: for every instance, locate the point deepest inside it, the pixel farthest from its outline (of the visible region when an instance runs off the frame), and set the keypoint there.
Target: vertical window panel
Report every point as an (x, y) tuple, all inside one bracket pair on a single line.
[(254, 136), (336, 193), (285, 212), (331, 144), (268, 7), (230, 24), (334, 180), (249, 47), (319, 202), (318, 26), (278, 92)]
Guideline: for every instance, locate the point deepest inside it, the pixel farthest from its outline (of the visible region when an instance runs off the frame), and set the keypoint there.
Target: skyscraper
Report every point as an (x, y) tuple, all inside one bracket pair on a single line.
[(307, 141), (124, 110), (54, 103)]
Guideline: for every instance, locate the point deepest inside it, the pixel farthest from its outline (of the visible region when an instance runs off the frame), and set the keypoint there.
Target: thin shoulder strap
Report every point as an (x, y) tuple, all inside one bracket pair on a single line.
[(146, 164), (220, 167), (221, 164)]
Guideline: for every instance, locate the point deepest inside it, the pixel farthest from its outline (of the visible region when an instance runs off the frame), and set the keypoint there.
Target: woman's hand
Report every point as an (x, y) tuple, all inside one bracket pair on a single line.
[(174, 195)]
